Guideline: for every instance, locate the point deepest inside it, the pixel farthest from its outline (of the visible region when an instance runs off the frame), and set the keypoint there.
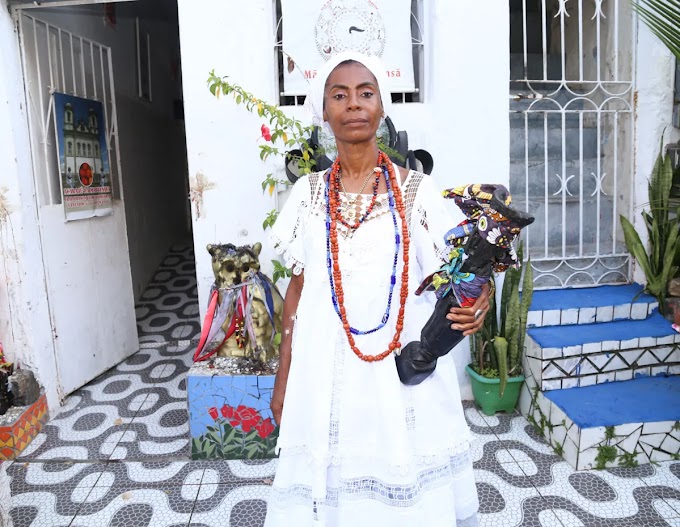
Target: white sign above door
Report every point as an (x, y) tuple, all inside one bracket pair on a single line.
[(312, 34)]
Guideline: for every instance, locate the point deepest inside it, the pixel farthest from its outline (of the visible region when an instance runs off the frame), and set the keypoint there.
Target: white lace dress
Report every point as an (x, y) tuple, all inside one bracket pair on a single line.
[(357, 447)]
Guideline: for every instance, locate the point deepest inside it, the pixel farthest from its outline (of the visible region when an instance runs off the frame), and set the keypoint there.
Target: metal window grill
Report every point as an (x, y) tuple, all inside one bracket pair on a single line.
[(56, 60), (417, 42), (572, 142)]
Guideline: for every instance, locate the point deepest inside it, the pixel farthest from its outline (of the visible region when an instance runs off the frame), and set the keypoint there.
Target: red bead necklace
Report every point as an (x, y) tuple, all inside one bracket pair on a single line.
[(336, 216)]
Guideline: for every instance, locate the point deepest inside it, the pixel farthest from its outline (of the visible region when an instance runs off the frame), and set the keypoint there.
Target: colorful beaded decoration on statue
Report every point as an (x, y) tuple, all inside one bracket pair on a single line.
[(333, 216)]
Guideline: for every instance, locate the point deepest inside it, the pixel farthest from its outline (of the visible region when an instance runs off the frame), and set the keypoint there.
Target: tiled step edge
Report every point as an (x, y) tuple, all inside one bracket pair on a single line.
[(590, 315), (556, 372), (639, 443), (655, 330), (590, 305)]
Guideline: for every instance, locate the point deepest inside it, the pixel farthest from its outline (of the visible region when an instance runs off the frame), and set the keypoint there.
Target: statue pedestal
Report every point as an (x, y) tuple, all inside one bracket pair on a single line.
[(229, 415)]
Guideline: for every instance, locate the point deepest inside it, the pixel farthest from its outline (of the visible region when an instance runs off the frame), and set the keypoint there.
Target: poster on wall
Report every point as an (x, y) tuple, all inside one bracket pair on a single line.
[(313, 32), (83, 157)]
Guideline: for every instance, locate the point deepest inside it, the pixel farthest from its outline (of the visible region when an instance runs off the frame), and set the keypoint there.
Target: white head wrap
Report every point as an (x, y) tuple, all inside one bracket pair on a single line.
[(315, 96)]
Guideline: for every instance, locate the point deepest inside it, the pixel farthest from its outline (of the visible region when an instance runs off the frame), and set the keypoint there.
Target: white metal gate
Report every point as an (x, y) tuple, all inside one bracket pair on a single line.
[(86, 261), (571, 149)]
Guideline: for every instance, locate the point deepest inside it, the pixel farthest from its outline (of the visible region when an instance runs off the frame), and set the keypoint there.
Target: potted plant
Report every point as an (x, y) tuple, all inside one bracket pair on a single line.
[(496, 368), (660, 263)]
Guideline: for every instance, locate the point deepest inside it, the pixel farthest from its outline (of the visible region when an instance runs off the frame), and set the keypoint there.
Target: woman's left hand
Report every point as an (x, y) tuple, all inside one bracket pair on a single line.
[(464, 318)]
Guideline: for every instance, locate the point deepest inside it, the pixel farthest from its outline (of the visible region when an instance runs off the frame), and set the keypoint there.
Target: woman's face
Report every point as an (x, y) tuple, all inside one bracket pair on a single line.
[(352, 104)]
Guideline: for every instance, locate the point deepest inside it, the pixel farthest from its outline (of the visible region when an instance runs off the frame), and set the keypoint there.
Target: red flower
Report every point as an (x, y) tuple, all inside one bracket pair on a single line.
[(266, 134), (227, 411), (265, 428), (213, 412), (248, 417)]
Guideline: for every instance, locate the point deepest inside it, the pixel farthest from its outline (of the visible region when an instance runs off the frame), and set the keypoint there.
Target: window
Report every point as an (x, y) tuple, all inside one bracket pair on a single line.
[(89, 150), (69, 148), (80, 152), (96, 149), (285, 62)]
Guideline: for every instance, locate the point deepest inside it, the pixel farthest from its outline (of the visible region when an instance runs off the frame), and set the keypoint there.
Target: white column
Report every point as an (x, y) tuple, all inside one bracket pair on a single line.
[(468, 74), (235, 39), (654, 77)]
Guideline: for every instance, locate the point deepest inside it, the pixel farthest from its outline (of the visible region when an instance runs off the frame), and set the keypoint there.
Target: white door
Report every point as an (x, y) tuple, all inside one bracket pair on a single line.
[(86, 261)]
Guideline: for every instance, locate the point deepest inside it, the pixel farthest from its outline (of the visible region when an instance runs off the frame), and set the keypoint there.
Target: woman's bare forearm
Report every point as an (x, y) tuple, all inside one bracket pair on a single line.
[(290, 305)]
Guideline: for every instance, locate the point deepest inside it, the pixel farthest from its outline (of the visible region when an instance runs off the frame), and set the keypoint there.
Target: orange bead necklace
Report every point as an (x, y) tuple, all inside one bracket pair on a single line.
[(336, 217)]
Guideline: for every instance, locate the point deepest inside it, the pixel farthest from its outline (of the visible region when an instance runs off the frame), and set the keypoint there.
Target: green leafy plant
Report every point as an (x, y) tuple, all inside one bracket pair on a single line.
[(490, 373), (281, 136), (558, 448), (280, 271), (660, 264), (663, 19), (628, 460), (605, 454), (609, 432), (500, 343), (270, 219)]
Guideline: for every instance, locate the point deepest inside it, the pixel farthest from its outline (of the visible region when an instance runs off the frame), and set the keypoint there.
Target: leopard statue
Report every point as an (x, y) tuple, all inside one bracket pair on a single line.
[(245, 307)]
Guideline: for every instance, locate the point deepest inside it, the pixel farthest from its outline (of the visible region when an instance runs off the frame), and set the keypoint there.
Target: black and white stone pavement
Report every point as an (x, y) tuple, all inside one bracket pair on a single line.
[(117, 453)]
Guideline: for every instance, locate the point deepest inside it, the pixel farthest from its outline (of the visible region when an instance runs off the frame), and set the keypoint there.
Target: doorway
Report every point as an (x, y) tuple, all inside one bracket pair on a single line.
[(123, 60), (571, 112)]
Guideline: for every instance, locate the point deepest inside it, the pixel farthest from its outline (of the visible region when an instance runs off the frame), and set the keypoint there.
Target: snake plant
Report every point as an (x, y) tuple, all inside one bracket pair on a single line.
[(660, 264), (501, 340), (663, 19)]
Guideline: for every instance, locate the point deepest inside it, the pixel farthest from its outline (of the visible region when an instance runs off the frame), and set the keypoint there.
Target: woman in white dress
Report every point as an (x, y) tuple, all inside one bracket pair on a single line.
[(357, 447)]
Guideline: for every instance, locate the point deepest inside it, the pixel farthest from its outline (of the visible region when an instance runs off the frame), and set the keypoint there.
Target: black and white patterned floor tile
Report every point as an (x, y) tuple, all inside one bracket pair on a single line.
[(168, 308), (117, 453), (517, 457)]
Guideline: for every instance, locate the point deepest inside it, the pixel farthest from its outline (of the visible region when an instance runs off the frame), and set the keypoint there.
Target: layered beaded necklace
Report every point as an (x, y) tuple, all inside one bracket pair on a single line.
[(333, 217)]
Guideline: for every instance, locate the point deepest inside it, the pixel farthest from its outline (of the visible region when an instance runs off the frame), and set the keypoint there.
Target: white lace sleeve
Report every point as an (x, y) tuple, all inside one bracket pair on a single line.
[(431, 219), (287, 234)]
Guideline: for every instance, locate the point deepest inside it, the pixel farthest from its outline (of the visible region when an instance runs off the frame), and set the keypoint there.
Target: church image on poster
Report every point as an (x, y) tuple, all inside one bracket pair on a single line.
[(83, 157)]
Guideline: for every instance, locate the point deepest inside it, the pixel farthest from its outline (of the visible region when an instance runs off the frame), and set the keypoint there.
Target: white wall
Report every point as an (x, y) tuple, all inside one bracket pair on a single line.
[(463, 123), (655, 73), (24, 315)]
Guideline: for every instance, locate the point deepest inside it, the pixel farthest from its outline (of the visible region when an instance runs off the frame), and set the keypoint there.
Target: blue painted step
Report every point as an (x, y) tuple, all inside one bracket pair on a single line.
[(625, 331), (608, 295), (641, 400)]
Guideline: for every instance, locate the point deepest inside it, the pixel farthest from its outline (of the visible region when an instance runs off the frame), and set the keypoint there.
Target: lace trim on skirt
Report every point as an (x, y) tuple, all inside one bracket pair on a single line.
[(371, 488)]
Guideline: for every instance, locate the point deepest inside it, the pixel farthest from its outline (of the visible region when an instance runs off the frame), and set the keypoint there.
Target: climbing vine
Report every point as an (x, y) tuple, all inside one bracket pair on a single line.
[(280, 134)]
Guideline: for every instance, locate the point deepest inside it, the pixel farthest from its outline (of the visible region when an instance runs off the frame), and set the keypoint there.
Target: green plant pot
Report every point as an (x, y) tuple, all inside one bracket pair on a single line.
[(486, 392)]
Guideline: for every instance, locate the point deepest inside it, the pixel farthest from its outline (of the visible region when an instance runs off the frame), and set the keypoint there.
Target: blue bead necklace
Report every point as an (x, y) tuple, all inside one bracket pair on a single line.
[(329, 258)]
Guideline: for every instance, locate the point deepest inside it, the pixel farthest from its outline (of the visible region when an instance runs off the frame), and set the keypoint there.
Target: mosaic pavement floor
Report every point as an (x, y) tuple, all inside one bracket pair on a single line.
[(116, 454)]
